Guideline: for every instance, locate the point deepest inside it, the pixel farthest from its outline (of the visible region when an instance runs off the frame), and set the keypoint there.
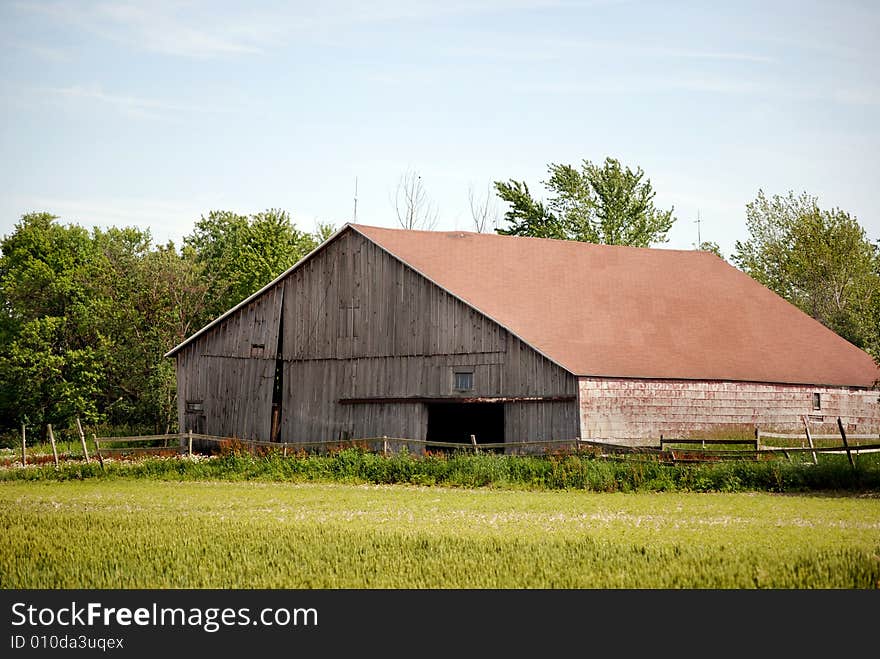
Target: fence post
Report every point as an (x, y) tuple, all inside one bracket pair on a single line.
[(23, 447), (809, 438), (98, 450), (82, 439), (757, 438), (54, 448), (845, 444), (474, 442), (189, 450), (384, 446)]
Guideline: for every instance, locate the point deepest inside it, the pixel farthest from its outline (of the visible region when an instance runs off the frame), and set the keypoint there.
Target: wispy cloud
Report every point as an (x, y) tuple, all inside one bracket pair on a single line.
[(684, 53), (190, 29), (866, 95), (202, 29), (636, 85), (502, 53), (49, 53), (650, 48), (133, 106), (497, 46)]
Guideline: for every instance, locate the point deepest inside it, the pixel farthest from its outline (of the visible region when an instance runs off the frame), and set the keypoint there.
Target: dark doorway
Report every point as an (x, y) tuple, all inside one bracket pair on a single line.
[(456, 422)]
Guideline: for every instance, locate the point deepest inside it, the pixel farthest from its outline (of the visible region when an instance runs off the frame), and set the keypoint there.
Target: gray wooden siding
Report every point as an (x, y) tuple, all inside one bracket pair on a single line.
[(360, 324), (234, 387)]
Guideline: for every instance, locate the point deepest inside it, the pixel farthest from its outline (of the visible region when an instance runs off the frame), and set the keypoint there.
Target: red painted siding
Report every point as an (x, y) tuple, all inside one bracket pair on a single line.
[(633, 411)]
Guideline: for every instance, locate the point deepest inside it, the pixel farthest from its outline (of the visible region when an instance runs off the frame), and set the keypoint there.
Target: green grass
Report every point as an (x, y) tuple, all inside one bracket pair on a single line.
[(128, 533), (571, 471)]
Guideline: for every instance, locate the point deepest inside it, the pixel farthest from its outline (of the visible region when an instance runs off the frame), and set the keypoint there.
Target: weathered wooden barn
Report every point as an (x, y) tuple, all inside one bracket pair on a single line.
[(439, 335)]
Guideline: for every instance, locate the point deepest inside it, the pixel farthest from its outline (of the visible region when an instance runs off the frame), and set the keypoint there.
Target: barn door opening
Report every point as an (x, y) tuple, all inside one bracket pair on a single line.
[(456, 422)]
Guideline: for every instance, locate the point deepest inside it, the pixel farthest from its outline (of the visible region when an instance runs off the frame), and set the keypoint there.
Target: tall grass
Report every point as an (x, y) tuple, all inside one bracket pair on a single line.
[(146, 534), (555, 472)]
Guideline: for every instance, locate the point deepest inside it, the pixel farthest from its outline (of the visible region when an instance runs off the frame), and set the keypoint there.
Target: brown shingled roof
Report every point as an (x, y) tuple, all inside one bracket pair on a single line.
[(614, 311)]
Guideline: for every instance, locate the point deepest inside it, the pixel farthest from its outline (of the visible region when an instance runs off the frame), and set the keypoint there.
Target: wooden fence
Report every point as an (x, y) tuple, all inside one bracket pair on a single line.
[(669, 449)]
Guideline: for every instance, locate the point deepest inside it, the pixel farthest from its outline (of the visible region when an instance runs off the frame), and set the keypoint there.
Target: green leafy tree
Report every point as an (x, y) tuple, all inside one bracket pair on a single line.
[(606, 204), (710, 246), (86, 317), (155, 297), (323, 231), (819, 260), (240, 254), (54, 346)]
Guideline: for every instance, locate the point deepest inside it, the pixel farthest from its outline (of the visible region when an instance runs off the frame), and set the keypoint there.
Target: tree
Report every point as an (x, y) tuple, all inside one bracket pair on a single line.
[(157, 297), (710, 246), (85, 318), (414, 208), (819, 260), (607, 204), (323, 231), (240, 254), (53, 361), (484, 213)]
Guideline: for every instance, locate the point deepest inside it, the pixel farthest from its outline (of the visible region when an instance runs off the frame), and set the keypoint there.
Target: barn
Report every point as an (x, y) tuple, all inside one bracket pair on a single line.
[(440, 335)]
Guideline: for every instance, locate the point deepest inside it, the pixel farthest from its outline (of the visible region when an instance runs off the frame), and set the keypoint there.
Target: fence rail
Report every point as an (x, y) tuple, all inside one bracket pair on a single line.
[(779, 435), (183, 443), (704, 442)]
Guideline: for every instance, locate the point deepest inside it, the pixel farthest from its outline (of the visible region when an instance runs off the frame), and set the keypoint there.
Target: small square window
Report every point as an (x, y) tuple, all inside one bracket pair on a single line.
[(464, 381), (195, 406), (817, 401), (257, 349)]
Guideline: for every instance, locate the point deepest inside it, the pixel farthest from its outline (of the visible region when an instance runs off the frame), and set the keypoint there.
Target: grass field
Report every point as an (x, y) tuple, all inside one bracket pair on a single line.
[(139, 533)]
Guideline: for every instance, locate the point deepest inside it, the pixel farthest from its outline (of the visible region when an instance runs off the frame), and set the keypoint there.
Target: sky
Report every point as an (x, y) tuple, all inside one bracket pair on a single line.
[(152, 114)]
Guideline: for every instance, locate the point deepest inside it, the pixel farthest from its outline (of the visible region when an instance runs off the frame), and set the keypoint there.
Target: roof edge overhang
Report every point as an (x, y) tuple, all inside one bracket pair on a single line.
[(786, 383), (253, 296)]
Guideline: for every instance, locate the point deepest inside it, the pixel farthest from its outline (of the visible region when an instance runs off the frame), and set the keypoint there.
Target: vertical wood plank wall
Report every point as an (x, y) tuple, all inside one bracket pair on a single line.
[(360, 324), (218, 370)]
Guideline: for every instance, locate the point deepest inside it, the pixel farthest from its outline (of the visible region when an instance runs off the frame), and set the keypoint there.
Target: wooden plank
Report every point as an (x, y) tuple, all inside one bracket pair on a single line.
[(809, 437), (82, 439), (98, 450), (139, 438), (703, 442), (383, 400), (863, 448), (845, 443), (135, 450), (776, 435), (54, 448)]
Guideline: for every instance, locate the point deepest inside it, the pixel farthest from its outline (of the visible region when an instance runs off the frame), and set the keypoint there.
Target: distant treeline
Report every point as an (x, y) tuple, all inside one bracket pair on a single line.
[(87, 315)]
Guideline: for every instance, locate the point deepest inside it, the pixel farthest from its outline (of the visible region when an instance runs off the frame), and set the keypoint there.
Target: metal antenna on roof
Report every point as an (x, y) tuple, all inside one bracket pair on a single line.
[(354, 219), (699, 239)]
